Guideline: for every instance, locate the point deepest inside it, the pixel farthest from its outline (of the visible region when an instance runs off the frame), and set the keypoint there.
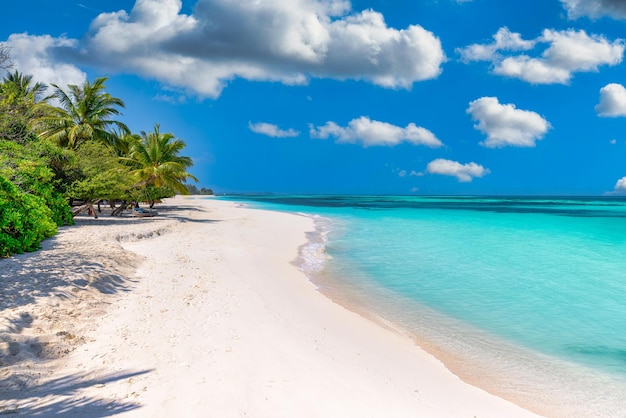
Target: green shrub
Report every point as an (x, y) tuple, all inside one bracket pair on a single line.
[(27, 169), (25, 220)]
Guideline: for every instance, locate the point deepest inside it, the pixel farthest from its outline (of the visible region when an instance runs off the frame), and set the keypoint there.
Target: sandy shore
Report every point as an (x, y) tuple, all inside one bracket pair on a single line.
[(200, 312)]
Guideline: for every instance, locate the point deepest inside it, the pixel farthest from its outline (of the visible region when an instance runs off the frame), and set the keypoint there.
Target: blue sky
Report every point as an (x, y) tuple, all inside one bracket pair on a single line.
[(365, 96)]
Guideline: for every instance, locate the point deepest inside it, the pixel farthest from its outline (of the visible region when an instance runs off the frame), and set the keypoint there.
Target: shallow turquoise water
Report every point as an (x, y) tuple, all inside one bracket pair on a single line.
[(530, 288)]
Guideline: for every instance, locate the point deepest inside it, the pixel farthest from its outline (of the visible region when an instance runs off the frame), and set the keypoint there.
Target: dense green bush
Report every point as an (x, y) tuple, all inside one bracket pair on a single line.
[(28, 169), (100, 175), (25, 220)]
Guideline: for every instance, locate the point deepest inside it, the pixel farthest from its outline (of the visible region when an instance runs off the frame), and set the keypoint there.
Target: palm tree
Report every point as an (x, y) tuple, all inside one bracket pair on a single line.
[(124, 143), (155, 161), (18, 89), (18, 100), (85, 114)]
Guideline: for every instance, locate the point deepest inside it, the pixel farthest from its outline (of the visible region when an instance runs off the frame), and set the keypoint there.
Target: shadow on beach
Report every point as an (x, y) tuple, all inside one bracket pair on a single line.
[(164, 213), (85, 256), (176, 212), (62, 396), (48, 302), (52, 299), (54, 271)]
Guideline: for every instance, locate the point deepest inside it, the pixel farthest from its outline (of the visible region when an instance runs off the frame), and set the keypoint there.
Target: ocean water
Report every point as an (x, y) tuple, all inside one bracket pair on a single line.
[(523, 297)]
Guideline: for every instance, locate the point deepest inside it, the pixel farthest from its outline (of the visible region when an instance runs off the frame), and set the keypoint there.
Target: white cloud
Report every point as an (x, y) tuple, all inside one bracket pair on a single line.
[(463, 172), (620, 186), (34, 55), (612, 101), (272, 130), (288, 41), (613, 141), (504, 40), (532, 70), (568, 52), (595, 8), (577, 51), (416, 174), (402, 173), (369, 132), (505, 125)]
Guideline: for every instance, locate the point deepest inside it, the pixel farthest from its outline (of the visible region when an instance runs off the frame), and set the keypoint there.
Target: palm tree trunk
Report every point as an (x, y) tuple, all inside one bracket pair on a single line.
[(92, 210), (85, 207), (120, 209)]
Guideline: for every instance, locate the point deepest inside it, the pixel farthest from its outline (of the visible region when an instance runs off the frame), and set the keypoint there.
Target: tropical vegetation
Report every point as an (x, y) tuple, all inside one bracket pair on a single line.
[(67, 152), (193, 189)]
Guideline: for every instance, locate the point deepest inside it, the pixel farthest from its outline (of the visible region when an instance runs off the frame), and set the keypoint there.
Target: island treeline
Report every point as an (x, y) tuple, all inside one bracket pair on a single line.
[(64, 152)]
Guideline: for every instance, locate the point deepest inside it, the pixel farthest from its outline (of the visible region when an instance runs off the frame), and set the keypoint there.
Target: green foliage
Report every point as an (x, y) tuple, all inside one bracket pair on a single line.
[(19, 90), (152, 193), (51, 155), (202, 191), (85, 114), (102, 176), (13, 124), (155, 160), (28, 169), (18, 99), (25, 220)]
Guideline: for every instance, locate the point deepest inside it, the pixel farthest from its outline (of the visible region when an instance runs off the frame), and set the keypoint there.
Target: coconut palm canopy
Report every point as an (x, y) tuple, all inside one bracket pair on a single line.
[(17, 88), (155, 160), (84, 113)]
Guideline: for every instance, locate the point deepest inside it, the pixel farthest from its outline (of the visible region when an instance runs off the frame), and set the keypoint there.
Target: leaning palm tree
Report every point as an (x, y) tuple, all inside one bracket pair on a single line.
[(85, 113), (155, 161)]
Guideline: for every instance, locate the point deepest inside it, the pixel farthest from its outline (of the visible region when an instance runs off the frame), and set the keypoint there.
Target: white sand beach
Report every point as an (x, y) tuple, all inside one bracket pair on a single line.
[(201, 312)]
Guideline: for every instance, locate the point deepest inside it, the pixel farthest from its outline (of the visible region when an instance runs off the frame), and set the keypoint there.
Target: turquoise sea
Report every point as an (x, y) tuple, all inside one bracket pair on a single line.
[(523, 297)]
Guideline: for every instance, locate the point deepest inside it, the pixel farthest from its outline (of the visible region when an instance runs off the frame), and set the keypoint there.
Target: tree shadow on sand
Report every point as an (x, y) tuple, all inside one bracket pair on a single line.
[(78, 273), (63, 397), (164, 213), (177, 213), (45, 296), (92, 260), (25, 277)]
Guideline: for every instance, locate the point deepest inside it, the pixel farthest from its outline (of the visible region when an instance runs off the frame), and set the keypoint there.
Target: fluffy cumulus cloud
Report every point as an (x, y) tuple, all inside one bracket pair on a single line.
[(503, 40), (369, 132), (567, 52), (272, 130), (505, 125), (288, 41), (595, 8), (37, 56), (620, 186), (463, 172), (612, 101)]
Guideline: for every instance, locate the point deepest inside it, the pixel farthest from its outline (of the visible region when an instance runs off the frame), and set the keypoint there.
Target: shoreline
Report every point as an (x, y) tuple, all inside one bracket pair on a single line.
[(546, 385), (218, 317)]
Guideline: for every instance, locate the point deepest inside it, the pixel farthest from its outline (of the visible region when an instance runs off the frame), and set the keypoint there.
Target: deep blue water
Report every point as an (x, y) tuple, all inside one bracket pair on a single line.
[(527, 296)]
